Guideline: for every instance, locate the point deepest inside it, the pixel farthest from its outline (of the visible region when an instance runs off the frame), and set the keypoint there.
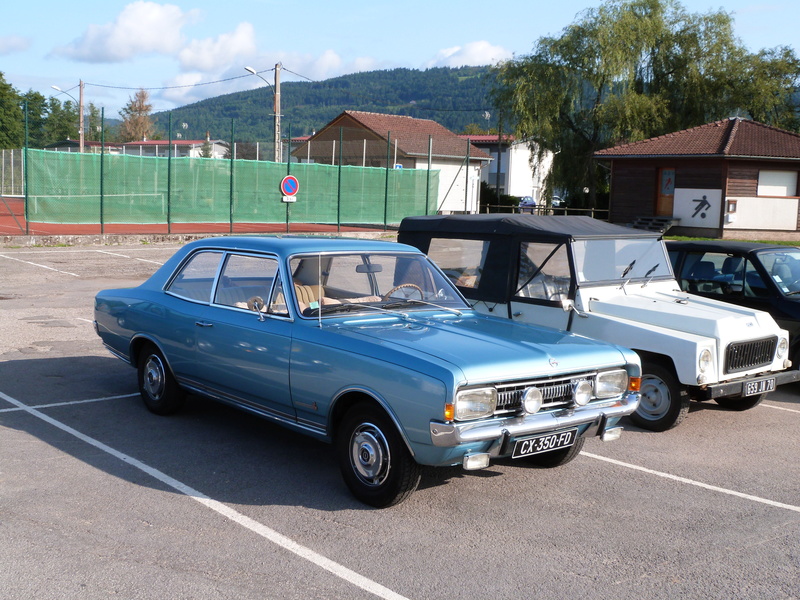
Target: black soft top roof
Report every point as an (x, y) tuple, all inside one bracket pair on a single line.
[(555, 228)]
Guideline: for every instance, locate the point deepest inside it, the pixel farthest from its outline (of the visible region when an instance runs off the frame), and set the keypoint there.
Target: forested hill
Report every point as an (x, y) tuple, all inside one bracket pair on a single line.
[(454, 97)]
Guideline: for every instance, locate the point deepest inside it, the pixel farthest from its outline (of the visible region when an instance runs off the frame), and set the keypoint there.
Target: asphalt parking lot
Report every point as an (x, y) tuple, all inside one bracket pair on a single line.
[(100, 498)]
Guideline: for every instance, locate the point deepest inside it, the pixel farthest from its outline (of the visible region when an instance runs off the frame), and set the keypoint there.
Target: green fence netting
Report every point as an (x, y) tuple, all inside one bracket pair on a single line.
[(67, 188)]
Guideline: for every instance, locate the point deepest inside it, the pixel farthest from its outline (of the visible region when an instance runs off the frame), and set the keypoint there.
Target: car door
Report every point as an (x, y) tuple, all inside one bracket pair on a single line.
[(244, 338)]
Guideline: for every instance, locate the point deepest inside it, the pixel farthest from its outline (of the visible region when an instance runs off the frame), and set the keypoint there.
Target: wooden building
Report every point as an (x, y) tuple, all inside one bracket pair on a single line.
[(733, 178)]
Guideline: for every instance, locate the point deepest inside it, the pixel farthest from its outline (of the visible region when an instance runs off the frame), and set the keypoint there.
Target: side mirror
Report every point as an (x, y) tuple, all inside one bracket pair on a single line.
[(567, 304)]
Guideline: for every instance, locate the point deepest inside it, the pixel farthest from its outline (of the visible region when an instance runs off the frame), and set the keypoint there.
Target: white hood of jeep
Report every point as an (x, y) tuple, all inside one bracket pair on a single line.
[(684, 312)]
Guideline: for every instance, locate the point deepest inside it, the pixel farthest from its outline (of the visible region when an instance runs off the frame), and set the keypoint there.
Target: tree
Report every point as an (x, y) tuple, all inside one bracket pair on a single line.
[(36, 107), (62, 121), (12, 119), (136, 122), (630, 70), (94, 124)]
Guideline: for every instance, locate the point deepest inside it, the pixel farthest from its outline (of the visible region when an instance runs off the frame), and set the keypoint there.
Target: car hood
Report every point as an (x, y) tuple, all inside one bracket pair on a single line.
[(491, 349), (687, 313)]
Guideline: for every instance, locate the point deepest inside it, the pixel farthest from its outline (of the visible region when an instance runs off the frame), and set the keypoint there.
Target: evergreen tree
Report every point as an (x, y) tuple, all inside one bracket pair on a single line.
[(12, 118), (137, 125)]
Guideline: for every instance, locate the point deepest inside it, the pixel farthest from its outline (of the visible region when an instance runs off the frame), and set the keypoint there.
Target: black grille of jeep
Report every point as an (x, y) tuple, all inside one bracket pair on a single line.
[(556, 392), (742, 356)]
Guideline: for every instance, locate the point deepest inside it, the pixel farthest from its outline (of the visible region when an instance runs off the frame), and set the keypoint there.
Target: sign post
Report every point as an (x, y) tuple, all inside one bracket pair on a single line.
[(289, 188)]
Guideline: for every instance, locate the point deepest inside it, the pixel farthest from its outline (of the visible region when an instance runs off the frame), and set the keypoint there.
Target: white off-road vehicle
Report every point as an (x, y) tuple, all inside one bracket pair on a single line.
[(616, 284)]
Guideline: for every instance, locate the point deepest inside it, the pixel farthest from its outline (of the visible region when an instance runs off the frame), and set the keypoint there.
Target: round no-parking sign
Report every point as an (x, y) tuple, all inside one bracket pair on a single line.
[(289, 185)]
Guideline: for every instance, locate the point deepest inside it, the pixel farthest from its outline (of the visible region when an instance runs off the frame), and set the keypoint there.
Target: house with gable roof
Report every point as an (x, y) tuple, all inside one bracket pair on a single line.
[(731, 179), (378, 140)]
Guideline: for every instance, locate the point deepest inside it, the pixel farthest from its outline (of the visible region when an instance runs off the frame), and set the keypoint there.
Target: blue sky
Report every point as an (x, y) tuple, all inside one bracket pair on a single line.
[(117, 47)]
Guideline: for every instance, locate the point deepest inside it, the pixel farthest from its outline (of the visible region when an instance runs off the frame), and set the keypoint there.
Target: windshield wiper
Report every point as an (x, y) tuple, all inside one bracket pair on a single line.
[(628, 269), (407, 301), (344, 307)]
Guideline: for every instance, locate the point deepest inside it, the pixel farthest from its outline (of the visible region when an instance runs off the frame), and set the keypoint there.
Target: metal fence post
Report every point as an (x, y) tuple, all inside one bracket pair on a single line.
[(339, 185), (25, 168), (102, 163), (169, 176), (230, 199), (386, 191)]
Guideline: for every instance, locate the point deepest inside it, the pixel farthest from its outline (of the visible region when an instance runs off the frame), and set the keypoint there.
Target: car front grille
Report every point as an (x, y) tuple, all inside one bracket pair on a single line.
[(556, 392), (741, 356)]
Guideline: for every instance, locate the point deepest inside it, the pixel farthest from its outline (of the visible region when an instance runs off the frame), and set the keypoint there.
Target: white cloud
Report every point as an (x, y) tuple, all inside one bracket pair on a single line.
[(13, 43), (471, 54), (141, 28), (212, 54)]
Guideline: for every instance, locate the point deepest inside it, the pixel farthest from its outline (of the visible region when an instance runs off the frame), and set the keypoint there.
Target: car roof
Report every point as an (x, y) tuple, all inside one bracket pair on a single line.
[(289, 245), (561, 227), (736, 246)]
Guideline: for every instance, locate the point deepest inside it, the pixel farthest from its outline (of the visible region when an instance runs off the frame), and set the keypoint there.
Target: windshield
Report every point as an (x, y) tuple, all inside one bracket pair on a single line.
[(784, 268), (620, 260), (330, 284)]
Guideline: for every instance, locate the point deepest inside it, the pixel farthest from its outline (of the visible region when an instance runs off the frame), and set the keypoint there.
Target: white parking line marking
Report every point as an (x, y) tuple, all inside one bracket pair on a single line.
[(270, 534), (700, 484), (131, 257), (69, 403), (38, 265), (792, 410)]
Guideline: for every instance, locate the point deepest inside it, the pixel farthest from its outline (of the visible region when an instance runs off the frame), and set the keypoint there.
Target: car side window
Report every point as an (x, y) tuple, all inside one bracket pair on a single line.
[(462, 261), (196, 278), (543, 272), (246, 281)]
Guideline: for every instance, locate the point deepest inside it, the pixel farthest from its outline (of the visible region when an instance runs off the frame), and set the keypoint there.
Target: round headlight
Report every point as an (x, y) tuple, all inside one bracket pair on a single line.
[(582, 392), (704, 360), (532, 400), (783, 346)]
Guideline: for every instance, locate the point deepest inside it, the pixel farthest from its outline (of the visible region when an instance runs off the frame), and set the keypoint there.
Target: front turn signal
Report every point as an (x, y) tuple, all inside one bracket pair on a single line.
[(635, 384)]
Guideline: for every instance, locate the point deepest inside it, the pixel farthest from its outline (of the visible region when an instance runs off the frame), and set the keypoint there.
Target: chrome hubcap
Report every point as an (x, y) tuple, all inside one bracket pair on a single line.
[(369, 454), (154, 379)]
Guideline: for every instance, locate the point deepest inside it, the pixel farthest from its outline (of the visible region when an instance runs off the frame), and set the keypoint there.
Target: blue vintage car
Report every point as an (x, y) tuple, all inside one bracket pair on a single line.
[(365, 344)]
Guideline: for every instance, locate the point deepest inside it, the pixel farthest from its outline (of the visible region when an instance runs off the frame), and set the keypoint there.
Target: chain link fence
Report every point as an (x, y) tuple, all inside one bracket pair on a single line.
[(358, 178)]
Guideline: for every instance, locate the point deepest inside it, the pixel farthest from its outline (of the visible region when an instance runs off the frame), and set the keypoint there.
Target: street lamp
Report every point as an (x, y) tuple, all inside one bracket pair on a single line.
[(80, 110), (276, 93)]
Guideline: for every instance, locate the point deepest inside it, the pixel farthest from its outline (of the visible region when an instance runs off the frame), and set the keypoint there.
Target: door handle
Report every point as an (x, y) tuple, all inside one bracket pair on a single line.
[(203, 324)]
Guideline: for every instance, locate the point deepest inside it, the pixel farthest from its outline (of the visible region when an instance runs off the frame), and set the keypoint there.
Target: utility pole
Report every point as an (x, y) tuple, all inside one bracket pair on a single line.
[(80, 118), (278, 148)]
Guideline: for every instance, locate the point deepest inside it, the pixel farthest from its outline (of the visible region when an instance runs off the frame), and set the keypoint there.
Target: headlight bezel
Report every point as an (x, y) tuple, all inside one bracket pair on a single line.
[(705, 360), (782, 349), (611, 383), (470, 404)]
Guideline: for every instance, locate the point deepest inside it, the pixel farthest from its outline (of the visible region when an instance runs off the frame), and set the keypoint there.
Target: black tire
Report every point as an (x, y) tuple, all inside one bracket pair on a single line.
[(161, 393), (740, 402), (556, 458), (664, 402), (375, 462)]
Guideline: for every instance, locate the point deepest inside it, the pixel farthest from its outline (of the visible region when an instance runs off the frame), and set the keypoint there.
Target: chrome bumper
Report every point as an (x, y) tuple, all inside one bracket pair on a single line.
[(448, 435)]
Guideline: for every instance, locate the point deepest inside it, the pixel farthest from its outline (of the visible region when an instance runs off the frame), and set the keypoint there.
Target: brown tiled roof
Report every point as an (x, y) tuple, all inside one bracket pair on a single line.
[(731, 138), (413, 134)]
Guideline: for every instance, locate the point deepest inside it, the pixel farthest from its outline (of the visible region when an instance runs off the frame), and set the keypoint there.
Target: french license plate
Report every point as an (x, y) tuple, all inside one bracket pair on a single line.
[(544, 443), (760, 386)]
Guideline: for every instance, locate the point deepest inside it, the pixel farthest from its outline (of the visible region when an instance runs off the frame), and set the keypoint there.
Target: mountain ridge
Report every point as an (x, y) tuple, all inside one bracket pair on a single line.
[(455, 97)]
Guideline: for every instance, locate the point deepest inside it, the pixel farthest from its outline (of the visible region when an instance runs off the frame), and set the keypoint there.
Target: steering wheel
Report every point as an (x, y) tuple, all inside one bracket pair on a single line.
[(403, 285)]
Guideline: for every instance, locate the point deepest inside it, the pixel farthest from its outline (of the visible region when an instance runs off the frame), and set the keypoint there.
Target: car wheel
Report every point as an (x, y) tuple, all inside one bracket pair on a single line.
[(740, 402), (556, 458), (376, 465), (161, 393), (664, 402)]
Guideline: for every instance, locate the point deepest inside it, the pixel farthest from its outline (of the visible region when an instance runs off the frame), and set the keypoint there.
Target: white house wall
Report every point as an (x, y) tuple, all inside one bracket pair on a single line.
[(452, 185), (776, 214)]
